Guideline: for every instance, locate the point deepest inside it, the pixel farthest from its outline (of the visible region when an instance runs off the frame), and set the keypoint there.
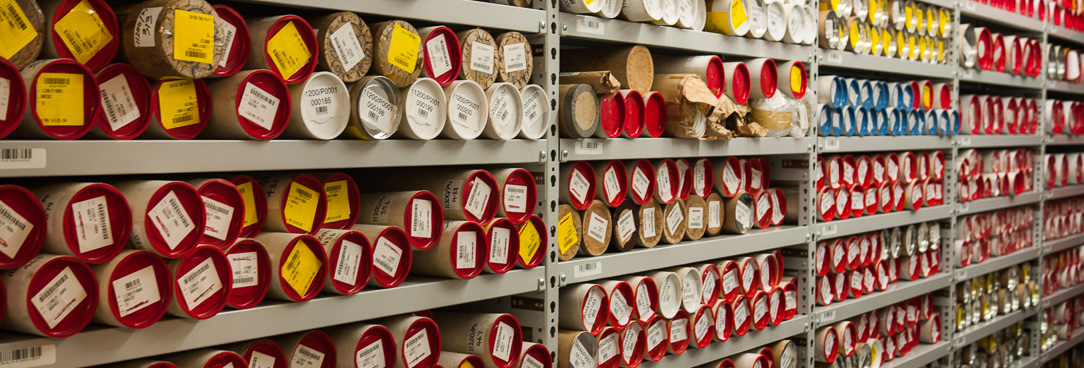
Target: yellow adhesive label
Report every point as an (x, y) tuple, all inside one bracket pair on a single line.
[(875, 39), (83, 32), (566, 231), (886, 40), (193, 36), (942, 23), (251, 216), (15, 27), (60, 99), (529, 241), (403, 51), (908, 12), (716, 22), (288, 50), (940, 50), (874, 10), (301, 268), (796, 79), (835, 5), (737, 13), (301, 205), (338, 201), (927, 96), (855, 36), (911, 44), (177, 103), (588, 2)]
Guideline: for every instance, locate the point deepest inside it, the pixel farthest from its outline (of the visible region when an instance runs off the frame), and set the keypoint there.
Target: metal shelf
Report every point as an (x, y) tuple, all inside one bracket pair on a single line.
[(920, 356), (976, 332), (1065, 34), (1064, 192), (651, 148), (1065, 87), (719, 350), (973, 9), (1065, 140), (1062, 244), (642, 259), (1062, 295), (1063, 346), (841, 228), (991, 141), (998, 263), (991, 204), (850, 60), (895, 293), (88, 157), (269, 319), (587, 27), (465, 12), (1001, 79), (868, 144)]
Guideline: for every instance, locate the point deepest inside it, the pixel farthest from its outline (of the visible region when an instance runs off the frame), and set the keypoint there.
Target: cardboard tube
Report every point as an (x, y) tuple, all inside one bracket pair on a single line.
[(264, 352), (576, 349), (442, 58), (133, 290), (349, 260), (669, 292), (624, 229), (161, 200), (596, 228), (592, 313), (91, 221), (295, 64), (502, 248), (707, 67), (738, 214), (125, 102), (691, 296), (499, 335), (479, 54), (578, 115), (505, 111), (702, 325), (251, 266), (414, 333), (713, 208), (44, 117), (346, 52), (696, 224), (314, 348), (407, 58), (536, 112), (426, 109), (459, 360), (201, 282), (826, 345), (641, 181), (461, 252), (632, 65), (236, 41), (465, 194), (418, 212), (301, 190), (375, 108), (205, 358), (391, 254), (674, 222), (515, 62), (360, 344), (532, 242), (148, 44), (609, 348), (298, 265)]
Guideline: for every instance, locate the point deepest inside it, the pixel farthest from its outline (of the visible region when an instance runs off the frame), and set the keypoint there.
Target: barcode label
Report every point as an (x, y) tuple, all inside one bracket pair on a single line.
[(62, 295), (118, 102), (466, 250), (245, 268), (136, 291), (13, 230), (35, 356), (386, 256), (590, 25), (171, 220), (306, 357), (515, 57), (15, 21), (321, 110), (587, 269), (379, 109), (22, 158), (346, 271), (347, 46), (481, 58), (228, 33), (200, 283), (515, 198), (219, 218), (588, 147), (92, 227), (258, 106)]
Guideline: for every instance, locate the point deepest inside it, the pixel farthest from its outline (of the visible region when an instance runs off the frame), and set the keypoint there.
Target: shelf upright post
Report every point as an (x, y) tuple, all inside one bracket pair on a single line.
[(807, 192), (545, 74)]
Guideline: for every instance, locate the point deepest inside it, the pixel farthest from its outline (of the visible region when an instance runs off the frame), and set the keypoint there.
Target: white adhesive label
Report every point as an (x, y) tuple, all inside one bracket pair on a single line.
[(790, 300), (648, 222), (690, 292), (466, 250), (501, 108), (682, 168), (674, 219), (59, 297), (229, 31), (478, 198), (422, 106), (608, 348), (626, 225), (346, 44), (662, 182), (747, 277), (481, 58), (171, 220), (261, 360), (731, 179), (713, 214), (597, 227), (656, 334), (498, 247), (245, 267), (386, 256), (371, 356), (502, 344), (703, 323), (136, 291), (379, 111), (708, 285), (741, 314), (611, 184), (146, 27), (531, 362), (760, 309), (698, 178), (515, 198), (679, 330), (437, 50), (416, 348), (696, 217), (421, 222), (346, 271), (515, 57), (620, 308), (92, 227), (219, 216), (118, 103), (763, 205), (643, 301), (306, 357), (5, 95), (742, 214), (578, 186), (258, 106), (200, 283), (777, 209), (730, 281), (628, 345), (640, 183), (580, 357), (591, 305)]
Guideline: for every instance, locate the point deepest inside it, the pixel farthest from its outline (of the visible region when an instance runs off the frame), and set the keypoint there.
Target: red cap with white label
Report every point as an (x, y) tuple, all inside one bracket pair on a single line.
[(702, 326), (172, 114), (761, 313), (790, 299), (264, 353), (136, 288), (538, 356), (206, 358), (442, 68), (518, 194), (654, 114), (614, 186), (730, 280), (710, 283), (95, 20), (621, 302), (823, 258), (91, 221), (125, 102), (641, 181), (724, 320), (11, 113), (658, 338), (349, 260), (824, 289), (612, 121), (391, 254), (820, 174), (871, 197), (750, 276), (666, 181), (225, 211), (702, 177), (741, 313), (609, 348), (343, 200), (858, 201), (308, 349), (878, 171), (633, 344), (168, 217), (827, 345), (646, 297), (855, 280), (843, 203), (251, 268), (685, 178), (46, 281), (578, 185), (201, 283), (762, 206), (756, 175), (840, 287), (502, 241), (255, 203), (679, 332), (261, 111), (826, 201), (731, 177), (236, 55), (634, 113)]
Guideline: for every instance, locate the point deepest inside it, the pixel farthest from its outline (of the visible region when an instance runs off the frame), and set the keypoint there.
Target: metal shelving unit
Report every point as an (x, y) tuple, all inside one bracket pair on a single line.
[(1065, 87), (998, 263), (850, 60), (651, 148), (1063, 346), (995, 141), (736, 344), (1062, 295), (992, 204), (831, 145), (895, 293), (975, 10), (462, 12), (1059, 245), (1000, 79), (1065, 140), (841, 228), (1065, 192), (921, 355), (978, 331)]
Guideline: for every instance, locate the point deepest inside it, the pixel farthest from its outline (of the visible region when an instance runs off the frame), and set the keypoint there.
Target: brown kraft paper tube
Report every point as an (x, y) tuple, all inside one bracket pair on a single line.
[(346, 52), (578, 114), (674, 222), (384, 34), (713, 214), (595, 228), (479, 54), (576, 349), (515, 61), (148, 38), (696, 209), (569, 232), (632, 65), (35, 20)]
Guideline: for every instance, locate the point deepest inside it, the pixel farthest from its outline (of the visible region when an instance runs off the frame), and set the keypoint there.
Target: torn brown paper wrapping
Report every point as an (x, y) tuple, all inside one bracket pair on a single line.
[(602, 81), (689, 104)]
